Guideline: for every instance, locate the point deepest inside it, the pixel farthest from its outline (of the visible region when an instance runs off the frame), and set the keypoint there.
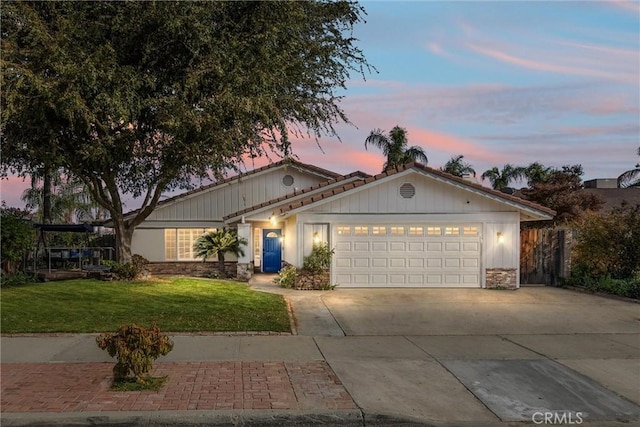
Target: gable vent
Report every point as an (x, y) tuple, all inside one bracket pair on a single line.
[(287, 180), (407, 191)]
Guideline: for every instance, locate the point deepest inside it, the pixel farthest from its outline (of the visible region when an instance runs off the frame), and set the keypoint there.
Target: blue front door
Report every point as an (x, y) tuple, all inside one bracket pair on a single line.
[(271, 251)]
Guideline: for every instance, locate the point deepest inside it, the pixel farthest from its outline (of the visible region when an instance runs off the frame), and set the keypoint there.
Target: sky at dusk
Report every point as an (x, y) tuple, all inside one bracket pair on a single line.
[(497, 81)]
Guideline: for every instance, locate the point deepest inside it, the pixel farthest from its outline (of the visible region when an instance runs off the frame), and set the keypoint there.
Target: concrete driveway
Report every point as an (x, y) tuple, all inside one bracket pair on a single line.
[(480, 357)]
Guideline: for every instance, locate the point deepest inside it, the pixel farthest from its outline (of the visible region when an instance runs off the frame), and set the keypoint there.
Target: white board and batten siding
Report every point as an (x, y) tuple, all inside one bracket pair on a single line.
[(448, 235), (207, 208), (234, 196)]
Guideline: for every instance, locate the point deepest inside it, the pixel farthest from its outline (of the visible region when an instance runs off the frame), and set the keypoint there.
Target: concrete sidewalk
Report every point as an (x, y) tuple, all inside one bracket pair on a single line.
[(504, 376)]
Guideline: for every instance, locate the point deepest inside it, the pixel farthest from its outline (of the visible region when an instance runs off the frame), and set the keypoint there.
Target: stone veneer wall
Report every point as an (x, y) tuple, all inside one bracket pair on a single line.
[(501, 278), (244, 271), (190, 268)]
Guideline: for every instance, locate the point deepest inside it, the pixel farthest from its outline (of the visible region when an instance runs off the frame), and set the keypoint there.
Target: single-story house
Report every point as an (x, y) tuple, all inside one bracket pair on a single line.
[(411, 226)]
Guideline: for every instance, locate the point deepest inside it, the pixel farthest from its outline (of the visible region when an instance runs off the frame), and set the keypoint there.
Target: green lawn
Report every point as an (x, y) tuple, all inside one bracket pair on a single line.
[(176, 305)]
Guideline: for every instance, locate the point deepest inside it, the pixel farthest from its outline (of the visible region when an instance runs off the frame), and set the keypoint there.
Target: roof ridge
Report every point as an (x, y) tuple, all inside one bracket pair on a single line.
[(298, 193)]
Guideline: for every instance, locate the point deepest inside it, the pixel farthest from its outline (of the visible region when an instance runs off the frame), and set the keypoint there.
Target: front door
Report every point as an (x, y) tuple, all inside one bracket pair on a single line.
[(271, 251)]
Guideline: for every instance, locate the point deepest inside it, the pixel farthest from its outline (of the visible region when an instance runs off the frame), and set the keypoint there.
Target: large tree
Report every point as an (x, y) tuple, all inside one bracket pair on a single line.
[(137, 98), (561, 191), (395, 147)]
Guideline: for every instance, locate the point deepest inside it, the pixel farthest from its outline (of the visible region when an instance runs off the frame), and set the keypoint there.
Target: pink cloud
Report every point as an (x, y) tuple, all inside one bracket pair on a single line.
[(630, 5), (612, 64)]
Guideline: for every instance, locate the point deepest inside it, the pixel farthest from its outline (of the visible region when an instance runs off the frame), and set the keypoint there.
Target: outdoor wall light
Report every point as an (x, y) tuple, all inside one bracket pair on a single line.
[(500, 237), (272, 219), (316, 237)]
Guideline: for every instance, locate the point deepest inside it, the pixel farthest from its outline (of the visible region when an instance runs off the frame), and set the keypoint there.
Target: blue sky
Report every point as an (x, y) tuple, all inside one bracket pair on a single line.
[(498, 81)]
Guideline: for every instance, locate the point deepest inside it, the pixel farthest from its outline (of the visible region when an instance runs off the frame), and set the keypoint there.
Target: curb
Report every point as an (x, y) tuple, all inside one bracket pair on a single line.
[(187, 418)]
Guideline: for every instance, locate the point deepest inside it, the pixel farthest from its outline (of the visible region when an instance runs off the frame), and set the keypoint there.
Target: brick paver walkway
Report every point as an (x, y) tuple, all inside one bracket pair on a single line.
[(77, 387)]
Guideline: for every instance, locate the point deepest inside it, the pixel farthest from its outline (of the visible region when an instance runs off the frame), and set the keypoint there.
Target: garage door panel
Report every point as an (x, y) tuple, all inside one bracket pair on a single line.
[(343, 262), (361, 246), (397, 279), (434, 279), (416, 262), (379, 279), (397, 262), (430, 260), (343, 279), (397, 246), (452, 279), (470, 279), (471, 246), (452, 247), (343, 246), (379, 262), (452, 262), (415, 279), (434, 246), (361, 262), (416, 247), (379, 246), (360, 279), (470, 263)]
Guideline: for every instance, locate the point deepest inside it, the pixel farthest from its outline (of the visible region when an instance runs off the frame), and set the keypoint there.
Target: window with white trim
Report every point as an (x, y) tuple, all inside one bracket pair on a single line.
[(416, 231), (452, 231), (344, 231), (178, 242), (361, 230), (397, 231), (434, 231), (379, 231), (470, 231)]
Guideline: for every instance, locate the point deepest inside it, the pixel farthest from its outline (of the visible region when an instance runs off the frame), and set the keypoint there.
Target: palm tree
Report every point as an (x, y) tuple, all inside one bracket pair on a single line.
[(395, 147), (630, 178), (455, 166), (68, 200), (536, 173), (500, 179), (219, 243)]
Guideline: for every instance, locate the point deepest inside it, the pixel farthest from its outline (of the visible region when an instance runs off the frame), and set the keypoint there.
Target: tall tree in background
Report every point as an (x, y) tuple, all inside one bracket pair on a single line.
[(537, 173), (561, 192), (630, 178), (456, 166), (395, 147), (138, 98), (69, 201), (500, 178)]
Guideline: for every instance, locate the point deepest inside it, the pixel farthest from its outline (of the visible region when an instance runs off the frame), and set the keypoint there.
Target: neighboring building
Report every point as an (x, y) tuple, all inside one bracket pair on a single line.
[(612, 196), (412, 226)]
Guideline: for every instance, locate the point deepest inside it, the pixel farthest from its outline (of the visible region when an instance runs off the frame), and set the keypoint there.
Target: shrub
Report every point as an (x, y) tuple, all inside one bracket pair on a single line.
[(16, 236), (124, 271), (287, 277), (608, 245), (129, 271), (15, 279), (319, 259), (629, 288), (136, 348)]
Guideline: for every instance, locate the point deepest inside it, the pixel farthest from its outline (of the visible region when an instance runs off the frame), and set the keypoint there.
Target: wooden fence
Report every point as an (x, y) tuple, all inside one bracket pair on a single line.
[(545, 255)]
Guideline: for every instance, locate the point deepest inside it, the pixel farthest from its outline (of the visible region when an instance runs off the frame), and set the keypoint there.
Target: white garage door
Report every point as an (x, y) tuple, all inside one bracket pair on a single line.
[(407, 255)]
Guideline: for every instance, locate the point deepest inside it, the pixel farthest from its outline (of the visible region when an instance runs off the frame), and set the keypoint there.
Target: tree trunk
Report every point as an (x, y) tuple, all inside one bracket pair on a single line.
[(46, 195), (221, 269), (123, 240)]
